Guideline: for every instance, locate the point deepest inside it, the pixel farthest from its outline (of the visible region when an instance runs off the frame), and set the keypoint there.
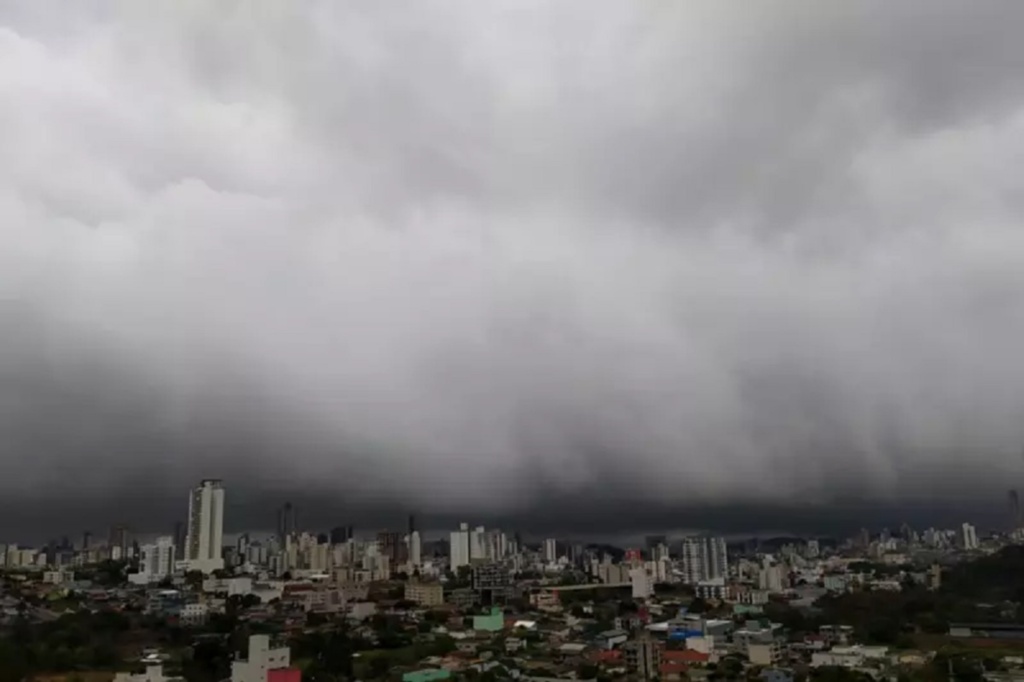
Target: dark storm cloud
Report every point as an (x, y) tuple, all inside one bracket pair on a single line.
[(456, 256)]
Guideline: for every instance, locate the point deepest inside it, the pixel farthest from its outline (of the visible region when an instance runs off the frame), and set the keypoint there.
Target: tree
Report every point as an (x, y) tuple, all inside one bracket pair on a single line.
[(697, 605), (194, 579)]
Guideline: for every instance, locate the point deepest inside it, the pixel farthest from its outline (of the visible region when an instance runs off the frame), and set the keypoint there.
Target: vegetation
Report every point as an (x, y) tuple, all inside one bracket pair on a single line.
[(77, 641)]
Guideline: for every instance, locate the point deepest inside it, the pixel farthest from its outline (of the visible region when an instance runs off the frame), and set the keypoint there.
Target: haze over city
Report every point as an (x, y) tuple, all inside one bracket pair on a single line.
[(571, 265)]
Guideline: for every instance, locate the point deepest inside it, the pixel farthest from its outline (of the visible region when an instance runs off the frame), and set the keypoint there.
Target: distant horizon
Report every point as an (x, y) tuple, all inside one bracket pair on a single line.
[(621, 540)]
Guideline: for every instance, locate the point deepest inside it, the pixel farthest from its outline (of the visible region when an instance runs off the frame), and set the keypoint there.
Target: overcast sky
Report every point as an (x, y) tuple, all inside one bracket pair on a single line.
[(494, 259)]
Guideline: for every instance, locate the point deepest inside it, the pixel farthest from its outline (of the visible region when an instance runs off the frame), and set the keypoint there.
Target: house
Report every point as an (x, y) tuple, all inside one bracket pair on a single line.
[(284, 675), (609, 639), (764, 654), (776, 675), (572, 649), (856, 656), (152, 673), (514, 644), (673, 671), (687, 657), (260, 660)]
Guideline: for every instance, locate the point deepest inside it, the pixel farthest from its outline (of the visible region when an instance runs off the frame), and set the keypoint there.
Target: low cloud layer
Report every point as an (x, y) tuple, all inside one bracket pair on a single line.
[(463, 255)]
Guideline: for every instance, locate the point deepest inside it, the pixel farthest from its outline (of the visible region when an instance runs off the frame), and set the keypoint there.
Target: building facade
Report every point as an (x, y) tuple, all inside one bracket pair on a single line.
[(203, 545)]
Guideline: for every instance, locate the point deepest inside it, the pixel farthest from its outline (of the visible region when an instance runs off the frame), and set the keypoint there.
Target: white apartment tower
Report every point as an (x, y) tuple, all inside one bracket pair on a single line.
[(968, 537), (641, 583), (415, 549), (478, 543), (205, 527), (703, 559), (459, 548), (550, 551), (157, 560)]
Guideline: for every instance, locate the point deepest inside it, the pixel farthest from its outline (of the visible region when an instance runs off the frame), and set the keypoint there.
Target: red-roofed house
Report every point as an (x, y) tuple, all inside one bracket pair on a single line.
[(284, 675), (673, 671), (684, 656), (608, 656)]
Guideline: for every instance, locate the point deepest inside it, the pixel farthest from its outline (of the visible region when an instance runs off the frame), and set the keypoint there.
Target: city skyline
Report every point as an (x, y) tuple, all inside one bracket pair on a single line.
[(512, 340)]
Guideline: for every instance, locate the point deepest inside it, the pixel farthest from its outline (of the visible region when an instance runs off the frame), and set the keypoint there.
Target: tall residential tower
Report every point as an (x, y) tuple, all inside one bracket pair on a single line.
[(205, 527)]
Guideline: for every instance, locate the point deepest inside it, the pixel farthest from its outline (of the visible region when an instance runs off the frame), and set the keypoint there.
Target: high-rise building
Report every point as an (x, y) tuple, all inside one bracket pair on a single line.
[(179, 539), (157, 561), (652, 541), (703, 558), (117, 542), (641, 583), (643, 656), (968, 537), (550, 551), (392, 545), (339, 535), (459, 548), (287, 523), (415, 549), (203, 546), (1015, 520), (478, 544), (497, 545), (492, 582)]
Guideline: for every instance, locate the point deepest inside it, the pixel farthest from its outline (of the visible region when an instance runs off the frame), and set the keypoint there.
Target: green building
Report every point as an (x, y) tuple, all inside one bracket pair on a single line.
[(495, 622), (427, 675)]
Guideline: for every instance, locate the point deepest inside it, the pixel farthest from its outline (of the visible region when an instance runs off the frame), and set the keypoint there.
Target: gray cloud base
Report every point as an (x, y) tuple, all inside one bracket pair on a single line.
[(459, 255)]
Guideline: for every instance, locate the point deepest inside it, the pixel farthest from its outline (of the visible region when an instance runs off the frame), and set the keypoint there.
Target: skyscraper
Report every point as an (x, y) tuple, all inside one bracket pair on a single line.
[(157, 560), (703, 559), (179, 539), (459, 548), (287, 522), (550, 551), (391, 544), (205, 527), (968, 537), (415, 549), (1014, 509), (117, 543)]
